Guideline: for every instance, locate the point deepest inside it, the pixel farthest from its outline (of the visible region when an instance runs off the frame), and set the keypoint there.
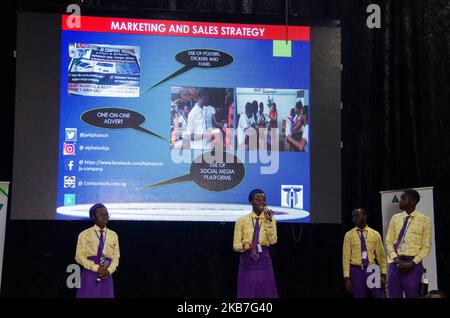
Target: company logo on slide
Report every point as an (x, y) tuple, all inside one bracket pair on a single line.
[(292, 196), (68, 149), (71, 134), (69, 181), (69, 199)]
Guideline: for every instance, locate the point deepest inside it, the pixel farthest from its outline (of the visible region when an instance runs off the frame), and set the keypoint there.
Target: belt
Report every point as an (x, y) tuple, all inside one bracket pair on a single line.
[(405, 258)]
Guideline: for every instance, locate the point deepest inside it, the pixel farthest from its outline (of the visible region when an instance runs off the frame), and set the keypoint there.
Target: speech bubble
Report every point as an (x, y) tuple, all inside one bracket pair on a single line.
[(116, 118), (211, 176), (202, 58)]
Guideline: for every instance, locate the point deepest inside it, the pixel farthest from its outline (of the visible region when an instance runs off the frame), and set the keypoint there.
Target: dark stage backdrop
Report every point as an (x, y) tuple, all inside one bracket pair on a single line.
[(396, 93)]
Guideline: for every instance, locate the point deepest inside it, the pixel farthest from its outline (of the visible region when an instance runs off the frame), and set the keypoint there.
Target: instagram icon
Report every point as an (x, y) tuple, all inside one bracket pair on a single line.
[(68, 149)]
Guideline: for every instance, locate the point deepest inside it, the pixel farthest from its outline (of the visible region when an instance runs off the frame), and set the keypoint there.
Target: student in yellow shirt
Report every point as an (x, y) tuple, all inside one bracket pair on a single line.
[(408, 242), (253, 233), (98, 252), (362, 246)]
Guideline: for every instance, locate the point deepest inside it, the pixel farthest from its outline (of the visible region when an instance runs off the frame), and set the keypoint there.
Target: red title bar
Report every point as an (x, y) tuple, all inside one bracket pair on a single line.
[(182, 28)]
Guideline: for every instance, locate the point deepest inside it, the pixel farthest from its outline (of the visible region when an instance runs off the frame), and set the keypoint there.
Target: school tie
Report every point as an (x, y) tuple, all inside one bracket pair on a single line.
[(254, 251), (401, 234), (100, 247), (364, 261)]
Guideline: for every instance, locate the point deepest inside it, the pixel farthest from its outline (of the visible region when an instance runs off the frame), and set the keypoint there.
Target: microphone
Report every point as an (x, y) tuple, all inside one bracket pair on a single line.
[(267, 216), (103, 262), (98, 277)]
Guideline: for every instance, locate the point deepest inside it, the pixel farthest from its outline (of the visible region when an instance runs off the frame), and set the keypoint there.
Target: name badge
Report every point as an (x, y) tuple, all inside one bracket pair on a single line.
[(403, 247), (259, 248), (364, 255)]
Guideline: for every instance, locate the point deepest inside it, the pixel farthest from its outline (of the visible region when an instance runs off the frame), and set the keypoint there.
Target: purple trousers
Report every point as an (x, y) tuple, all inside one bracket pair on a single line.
[(91, 289), (256, 278), (358, 277), (409, 283)]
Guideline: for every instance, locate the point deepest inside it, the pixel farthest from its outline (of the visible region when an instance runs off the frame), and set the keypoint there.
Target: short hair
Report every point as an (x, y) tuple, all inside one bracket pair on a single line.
[(188, 90), (95, 207), (202, 92), (305, 110), (413, 194), (249, 107), (299, 104), (360, 209), (255, 106), (252, 194), (229, 99)]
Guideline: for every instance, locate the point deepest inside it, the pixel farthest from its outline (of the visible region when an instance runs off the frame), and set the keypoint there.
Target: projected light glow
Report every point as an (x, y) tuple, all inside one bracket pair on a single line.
[(185, 211)]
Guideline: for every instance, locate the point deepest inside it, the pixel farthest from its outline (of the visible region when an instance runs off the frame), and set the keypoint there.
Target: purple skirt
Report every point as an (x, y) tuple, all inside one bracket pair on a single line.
[(256, 278), (91, 289)]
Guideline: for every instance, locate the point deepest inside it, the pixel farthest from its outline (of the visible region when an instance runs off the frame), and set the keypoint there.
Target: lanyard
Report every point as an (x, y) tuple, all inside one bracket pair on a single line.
[(254, 220), (362, 233), (407, 227), (104, 239), (203, 114)]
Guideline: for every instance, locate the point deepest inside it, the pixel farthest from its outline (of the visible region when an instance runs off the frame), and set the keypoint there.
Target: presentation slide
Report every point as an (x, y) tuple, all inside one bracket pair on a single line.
[(167, 119), (179, 121)]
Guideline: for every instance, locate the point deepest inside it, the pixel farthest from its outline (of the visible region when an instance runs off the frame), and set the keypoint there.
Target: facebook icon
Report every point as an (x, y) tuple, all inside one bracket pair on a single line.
[(69, 165), (292, 196)]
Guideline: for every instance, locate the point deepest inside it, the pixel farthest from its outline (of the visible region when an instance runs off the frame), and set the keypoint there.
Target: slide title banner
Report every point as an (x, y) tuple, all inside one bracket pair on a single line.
[(190, 29)]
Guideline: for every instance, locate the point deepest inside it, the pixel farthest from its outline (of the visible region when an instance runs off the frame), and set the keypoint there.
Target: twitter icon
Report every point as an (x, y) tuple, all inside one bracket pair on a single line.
[(71, 134)]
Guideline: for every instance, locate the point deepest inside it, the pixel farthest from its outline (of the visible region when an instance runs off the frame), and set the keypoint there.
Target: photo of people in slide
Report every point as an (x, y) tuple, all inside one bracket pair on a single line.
[(205, 111), (263, 110)]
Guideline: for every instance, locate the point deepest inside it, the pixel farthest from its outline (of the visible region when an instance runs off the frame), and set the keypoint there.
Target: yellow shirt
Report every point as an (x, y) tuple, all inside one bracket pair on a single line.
[(243, 231), (351, 253), (87, 246), (417, 237)]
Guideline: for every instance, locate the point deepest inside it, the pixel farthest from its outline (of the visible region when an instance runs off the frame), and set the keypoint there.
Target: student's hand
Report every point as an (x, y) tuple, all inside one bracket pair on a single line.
[(383, 281), (268, 214), (105, 274), (397, 260), (348, 285), (247, 246), (406, 267), (101, 270)]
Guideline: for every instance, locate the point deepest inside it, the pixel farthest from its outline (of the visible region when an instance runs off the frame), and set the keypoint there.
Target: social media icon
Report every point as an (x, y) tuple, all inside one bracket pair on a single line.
[(68, 149), (69, 181), (69, 165), (71, 134), (69, 199)]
